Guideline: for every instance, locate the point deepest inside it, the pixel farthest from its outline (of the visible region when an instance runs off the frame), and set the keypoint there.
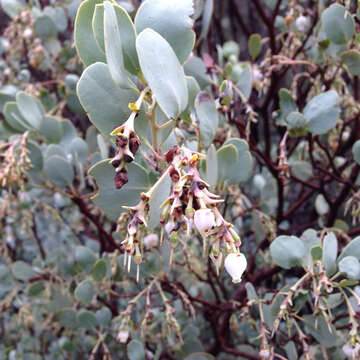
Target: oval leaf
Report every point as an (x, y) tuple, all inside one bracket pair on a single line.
[(84, 292), (85, 257), (287, 251), (22, 271), (163, 72), (206, 117), (330, 249), (85, 43), (59, 171), (97, 87), (350, 266), (135, 350), (114, 49), (351, 59), (173, 23), (322, 112), (338, 24), (99, 271)]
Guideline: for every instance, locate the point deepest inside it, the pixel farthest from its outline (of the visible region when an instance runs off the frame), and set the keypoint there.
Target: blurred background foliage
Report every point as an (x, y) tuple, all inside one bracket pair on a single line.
[(274, 88)]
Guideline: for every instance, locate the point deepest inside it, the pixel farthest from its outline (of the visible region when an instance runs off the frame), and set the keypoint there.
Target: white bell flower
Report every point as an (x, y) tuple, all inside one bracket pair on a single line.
[(301, 23), (352, 352), (123, 336), (28, 33), (235, 265), (204, 220)]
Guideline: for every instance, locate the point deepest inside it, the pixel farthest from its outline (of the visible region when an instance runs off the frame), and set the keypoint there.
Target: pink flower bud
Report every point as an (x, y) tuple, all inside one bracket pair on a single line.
[(151, 240), (235, 265), (204, 220)]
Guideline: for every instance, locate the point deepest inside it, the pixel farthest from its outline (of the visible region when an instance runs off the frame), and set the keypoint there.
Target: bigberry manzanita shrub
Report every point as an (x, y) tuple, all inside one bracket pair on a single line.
[(182, 183)]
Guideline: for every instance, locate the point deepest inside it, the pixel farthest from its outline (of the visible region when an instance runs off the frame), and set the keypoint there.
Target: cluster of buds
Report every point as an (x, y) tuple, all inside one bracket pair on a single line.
[(15, 162), (189, 205), (135, 231), (127, 143)]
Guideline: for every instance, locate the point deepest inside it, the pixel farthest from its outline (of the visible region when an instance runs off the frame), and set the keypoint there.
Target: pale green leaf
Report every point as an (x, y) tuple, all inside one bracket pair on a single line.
[(85, 43), (206, 117), (79, 150), (100, 269), (114, 49), (351, 59), (127, 31), (67, 318), (173, 23), (135, 350), (287, 251), (227, 156), (338, 24), (287, 103), (330, 249), (350, 266), (45, 27), (356, 151), (196, 68), (163, 72), (85, 257), (254, 45), (244, 83), (22, 271), (351, 249), (86, 319), (59, 171), (206, 18), (84, 292), (211, 167), (31, 109), (14, 119), (13, 7), (242, 168), (97, 87), (322, 112), (51, 128)]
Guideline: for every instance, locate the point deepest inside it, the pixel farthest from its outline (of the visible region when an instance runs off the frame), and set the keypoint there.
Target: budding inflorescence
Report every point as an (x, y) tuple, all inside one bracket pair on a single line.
[(189, 206), (127, 143)]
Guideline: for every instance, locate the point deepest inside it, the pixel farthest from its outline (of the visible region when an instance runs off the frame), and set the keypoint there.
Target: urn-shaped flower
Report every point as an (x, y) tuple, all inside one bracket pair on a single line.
[(123, 336), (352, 352), (235, 265), (204, 220)]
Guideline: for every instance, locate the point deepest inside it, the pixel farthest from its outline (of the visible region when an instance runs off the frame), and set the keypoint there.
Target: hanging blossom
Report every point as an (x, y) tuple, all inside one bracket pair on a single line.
[(127, 143), (191, 206), (352, 351)]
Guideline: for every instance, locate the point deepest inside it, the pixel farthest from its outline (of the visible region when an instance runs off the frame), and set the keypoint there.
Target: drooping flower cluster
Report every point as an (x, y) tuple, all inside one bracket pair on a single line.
[(128, 144), (190, 204)]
